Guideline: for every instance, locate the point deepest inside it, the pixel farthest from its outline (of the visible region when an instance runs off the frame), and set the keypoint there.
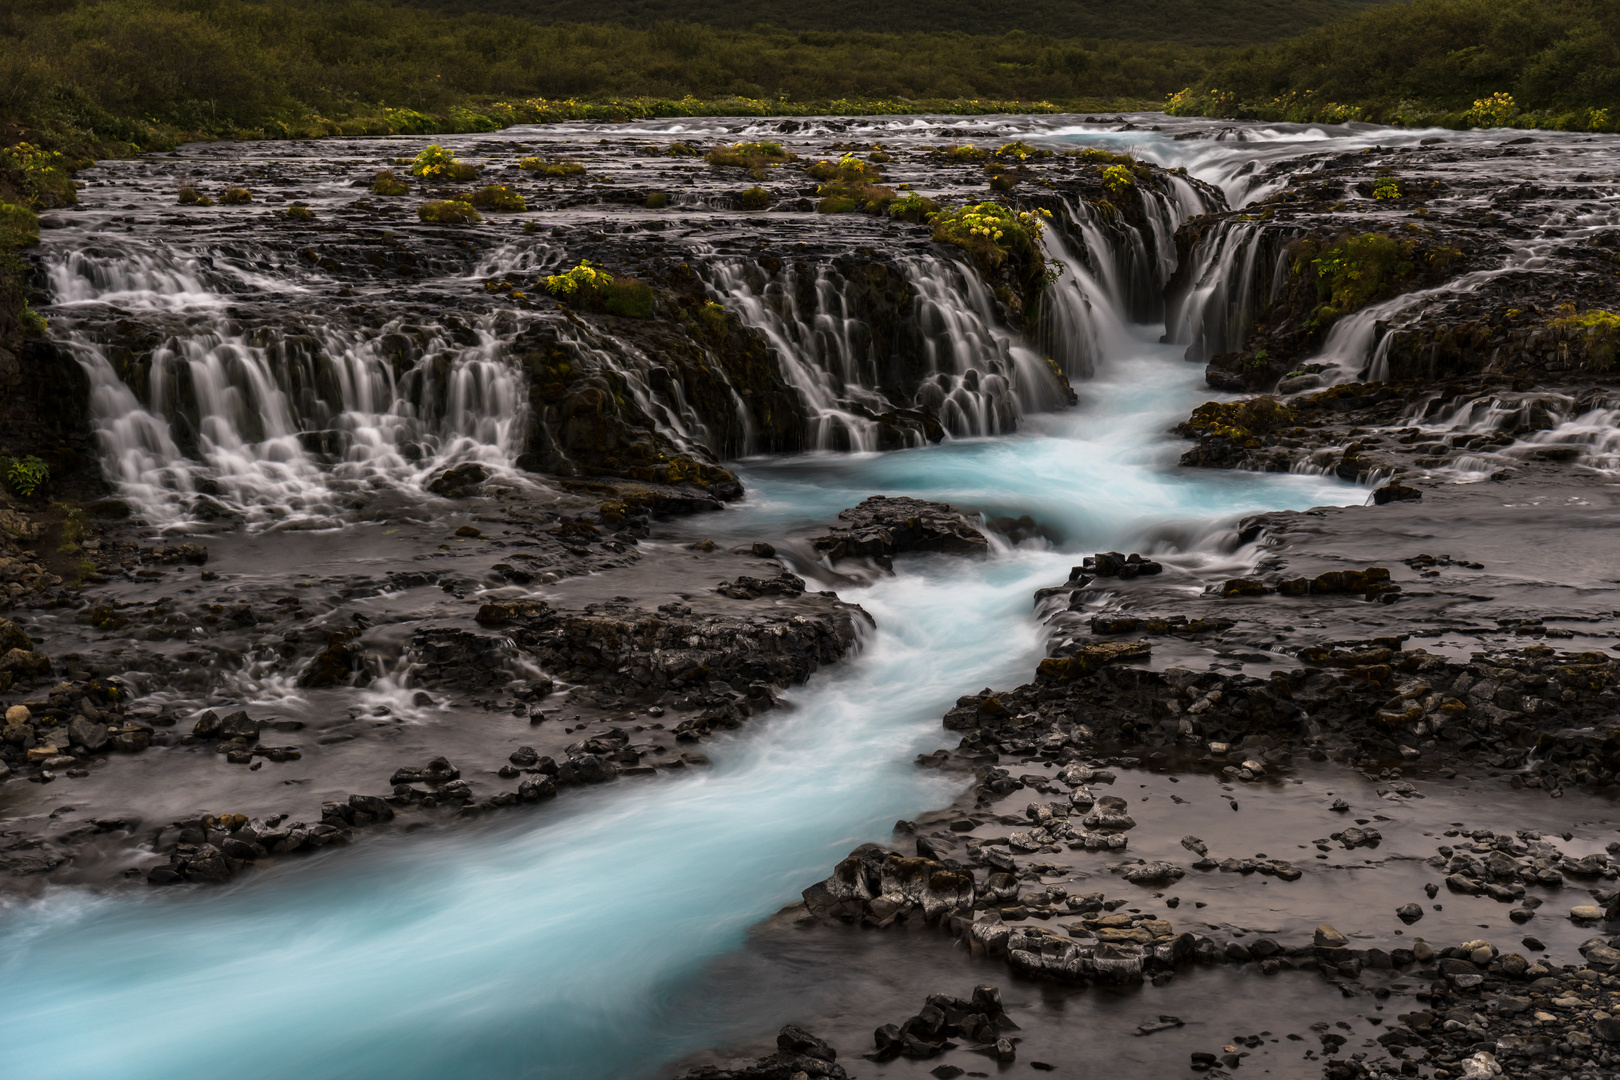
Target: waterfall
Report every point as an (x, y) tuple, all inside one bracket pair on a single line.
[(292, 423)]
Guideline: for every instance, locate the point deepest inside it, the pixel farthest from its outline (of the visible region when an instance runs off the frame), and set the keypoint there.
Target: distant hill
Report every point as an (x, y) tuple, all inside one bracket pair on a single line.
[(1194, 22)]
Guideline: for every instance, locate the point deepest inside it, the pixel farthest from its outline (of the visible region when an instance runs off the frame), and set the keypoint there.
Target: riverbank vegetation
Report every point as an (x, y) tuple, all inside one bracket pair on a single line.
[(1231, 22), (1447, 63), (144, 73)]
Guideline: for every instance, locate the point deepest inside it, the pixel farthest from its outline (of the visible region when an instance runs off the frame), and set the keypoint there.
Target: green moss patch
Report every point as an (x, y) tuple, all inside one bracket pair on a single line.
[(448, 212)]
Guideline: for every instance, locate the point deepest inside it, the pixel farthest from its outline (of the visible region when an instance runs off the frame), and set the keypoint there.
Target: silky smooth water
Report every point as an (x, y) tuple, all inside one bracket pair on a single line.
[(557, 943)]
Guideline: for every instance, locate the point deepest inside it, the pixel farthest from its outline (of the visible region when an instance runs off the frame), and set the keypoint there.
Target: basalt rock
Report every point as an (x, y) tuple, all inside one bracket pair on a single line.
[(883, 526)]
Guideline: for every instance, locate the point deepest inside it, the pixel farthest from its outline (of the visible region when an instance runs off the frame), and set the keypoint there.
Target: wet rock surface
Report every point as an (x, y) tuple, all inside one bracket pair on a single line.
[(884, 526)]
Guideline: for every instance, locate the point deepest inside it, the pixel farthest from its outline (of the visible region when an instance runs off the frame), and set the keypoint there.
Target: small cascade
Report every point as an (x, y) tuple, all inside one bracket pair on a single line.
[(1082, 318), (1210, 303), (1495, 431), (276, 423), (917, 334)]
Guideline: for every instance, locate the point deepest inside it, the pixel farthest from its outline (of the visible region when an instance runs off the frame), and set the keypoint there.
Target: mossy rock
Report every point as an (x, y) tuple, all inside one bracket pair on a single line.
[(448, 212), (387, 182), (657, 200), (499, 197), (755, 198), (235, 196)]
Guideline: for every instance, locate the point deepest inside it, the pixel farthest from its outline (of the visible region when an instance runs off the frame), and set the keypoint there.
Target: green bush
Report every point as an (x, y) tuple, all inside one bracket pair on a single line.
[(299, 212), (236, 196), (498, 197), (990, 233), (32, 322), (448, 212), (590, 287), (586, 277), (1353, 271), (386, 182), (755, 198), (434, 163), (19, 227), (25, 475), (657, 200), (750, 155), (913, 208), (552, 168)]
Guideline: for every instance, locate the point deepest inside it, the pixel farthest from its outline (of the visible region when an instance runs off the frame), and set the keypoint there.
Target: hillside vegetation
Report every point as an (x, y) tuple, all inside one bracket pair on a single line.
[(1196, 22), (122, 70), (1457, 63)]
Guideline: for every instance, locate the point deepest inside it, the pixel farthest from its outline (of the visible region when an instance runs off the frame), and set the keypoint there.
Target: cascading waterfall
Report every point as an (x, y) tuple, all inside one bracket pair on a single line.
[(1212, 311), (277, 424), (981, 378)]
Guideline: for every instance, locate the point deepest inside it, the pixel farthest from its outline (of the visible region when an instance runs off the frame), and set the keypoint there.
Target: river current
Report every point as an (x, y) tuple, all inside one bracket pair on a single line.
[(573, 943)]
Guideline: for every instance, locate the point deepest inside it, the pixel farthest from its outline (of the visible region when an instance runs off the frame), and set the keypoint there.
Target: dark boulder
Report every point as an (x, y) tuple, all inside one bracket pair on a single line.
[(882, 527)]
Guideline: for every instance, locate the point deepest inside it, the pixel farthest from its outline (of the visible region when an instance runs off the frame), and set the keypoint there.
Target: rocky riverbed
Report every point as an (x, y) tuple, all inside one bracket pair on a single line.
[(356, 537)]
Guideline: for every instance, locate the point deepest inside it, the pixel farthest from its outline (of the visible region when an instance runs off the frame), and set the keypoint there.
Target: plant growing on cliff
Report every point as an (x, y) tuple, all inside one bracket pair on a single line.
[(25, 475), (448, 212), (1116, 178), (589, 286), (1353, 271), (991, 233), (1602, 333), (19, 228)]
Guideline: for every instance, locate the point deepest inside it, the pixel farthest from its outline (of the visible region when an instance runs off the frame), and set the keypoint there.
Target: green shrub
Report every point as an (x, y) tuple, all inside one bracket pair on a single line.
[(1387, 187), (434, 163), (913, 208), (657, 200), (586, 277), (236, 196), (499, 197), (552, 168), (25, 475), (300, 212), (880, 156), (990, 233), (32, 322), (850, 185), (448, 212), (966, 153), (1117, 178), (387, 182), (1021, 151), (1353, 271), (190, 196), (588, 286), (681, 149), (755, 198), (756, 157), (19, 227)]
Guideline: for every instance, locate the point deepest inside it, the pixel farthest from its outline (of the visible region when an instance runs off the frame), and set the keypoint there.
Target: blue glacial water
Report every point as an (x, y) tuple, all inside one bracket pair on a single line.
[(558, 944)]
